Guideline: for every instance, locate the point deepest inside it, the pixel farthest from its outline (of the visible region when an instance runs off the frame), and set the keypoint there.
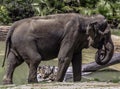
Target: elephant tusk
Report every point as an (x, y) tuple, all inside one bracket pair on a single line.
[(90, 41)]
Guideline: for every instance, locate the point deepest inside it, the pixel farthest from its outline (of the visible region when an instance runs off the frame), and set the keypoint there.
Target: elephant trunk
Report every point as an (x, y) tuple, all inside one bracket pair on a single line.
[(104, 55)]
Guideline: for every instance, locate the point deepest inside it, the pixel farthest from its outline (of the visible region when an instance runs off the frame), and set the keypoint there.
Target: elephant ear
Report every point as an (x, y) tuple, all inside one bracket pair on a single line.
[(94, 26), (100, 27)]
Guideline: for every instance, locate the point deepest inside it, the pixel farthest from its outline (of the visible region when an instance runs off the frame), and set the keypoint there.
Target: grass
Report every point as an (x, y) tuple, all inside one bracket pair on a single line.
[(115, 32)]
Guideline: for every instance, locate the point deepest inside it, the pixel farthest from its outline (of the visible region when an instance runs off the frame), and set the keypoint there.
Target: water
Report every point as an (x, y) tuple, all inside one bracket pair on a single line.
[(107, 76), (101, 76), (21, 74)]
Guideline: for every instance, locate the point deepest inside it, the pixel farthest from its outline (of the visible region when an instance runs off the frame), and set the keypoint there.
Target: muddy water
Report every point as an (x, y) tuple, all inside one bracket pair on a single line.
[(101, 76), (107, 76)]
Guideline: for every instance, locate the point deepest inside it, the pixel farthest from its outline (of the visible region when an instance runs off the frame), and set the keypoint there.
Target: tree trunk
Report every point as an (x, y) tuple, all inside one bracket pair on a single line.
[(93, 66)]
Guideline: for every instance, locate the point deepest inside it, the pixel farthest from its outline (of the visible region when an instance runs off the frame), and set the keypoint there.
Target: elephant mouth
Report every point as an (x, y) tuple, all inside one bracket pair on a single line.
[(99, 44)]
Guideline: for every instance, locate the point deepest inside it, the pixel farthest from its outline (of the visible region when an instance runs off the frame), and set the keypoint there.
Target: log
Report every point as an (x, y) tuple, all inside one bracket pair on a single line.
[(93, 66), (86, 69)]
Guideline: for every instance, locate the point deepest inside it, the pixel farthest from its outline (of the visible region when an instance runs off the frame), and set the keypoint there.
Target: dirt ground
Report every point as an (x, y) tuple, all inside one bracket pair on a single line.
[(116, 41), (64, 85)]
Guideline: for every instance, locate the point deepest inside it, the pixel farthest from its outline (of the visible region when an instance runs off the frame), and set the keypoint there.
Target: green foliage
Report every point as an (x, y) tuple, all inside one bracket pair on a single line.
[(111, 10), (19, 9), (4, 18), (115, 32), (89, 3), (45, 7)]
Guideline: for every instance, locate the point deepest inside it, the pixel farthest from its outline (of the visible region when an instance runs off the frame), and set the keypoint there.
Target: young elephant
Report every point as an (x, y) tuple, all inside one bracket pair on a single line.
[(61, 35)]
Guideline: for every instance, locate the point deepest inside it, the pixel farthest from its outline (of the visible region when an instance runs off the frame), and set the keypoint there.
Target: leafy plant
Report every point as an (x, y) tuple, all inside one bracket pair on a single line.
[(4, 18), (89, 3), (45, 7), (19, 9)]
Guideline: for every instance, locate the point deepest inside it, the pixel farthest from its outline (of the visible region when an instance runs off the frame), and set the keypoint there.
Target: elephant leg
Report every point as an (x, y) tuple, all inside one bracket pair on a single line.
[(63, 65), (76, 64), (32, 78), (28, 63), (13, 62), (33, 62)]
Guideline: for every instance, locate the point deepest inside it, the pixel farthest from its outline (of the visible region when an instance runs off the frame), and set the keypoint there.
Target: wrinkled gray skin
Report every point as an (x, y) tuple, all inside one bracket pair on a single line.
[(64, 36)]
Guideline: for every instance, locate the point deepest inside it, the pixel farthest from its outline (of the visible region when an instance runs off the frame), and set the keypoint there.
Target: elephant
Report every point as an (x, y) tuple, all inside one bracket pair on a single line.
[(64, 36)]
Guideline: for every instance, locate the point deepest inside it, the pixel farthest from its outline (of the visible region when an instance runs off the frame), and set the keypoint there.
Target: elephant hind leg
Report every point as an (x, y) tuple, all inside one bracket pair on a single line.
[(13, 62), (33, 65), (34, 59), (32, 78)]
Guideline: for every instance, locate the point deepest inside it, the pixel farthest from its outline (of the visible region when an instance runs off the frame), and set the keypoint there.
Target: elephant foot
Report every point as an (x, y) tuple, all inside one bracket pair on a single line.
[(7, 82), (32, 81), (77, 79), (59, 80)]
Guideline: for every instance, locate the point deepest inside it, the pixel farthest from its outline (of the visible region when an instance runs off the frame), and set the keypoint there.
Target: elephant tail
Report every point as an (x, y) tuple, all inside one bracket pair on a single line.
[(8, 43)]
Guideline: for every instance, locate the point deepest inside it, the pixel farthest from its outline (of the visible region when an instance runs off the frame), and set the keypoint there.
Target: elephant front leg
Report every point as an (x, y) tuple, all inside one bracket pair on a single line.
[(76, 64), (13, 62), (67, 48), (62, 68)]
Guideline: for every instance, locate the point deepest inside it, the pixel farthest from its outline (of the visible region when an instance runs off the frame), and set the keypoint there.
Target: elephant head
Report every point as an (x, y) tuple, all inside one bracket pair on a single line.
[(102, 41)]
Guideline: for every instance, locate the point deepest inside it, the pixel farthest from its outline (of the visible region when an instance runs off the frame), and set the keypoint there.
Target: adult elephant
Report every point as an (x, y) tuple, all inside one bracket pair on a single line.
[(64, 36)]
